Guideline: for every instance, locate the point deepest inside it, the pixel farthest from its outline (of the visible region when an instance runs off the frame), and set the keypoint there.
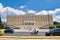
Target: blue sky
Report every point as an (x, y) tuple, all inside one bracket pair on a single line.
[(37, 5)]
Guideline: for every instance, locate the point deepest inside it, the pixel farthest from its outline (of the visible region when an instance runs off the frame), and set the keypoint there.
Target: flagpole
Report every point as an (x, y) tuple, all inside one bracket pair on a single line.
[(7, 14), (48, 20)]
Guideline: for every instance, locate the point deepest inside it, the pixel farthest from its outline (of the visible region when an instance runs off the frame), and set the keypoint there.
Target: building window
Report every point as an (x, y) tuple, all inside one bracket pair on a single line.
[(29, 23), (30, 17)]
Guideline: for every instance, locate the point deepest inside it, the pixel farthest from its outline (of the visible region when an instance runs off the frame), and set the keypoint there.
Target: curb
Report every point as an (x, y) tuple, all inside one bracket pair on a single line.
[(32, 37)]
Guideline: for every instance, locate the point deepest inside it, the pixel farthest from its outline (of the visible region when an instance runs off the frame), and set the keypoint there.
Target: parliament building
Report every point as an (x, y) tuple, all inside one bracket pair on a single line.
[(30, 20)]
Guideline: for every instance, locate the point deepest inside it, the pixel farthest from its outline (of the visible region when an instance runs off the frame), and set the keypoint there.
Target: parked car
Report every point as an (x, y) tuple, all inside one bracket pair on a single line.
[(1, 32), (9, 31), (55, 32)]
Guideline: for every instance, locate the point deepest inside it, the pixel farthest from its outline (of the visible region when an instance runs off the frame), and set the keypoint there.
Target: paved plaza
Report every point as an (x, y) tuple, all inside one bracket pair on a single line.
[(18, 32), (24, 34)]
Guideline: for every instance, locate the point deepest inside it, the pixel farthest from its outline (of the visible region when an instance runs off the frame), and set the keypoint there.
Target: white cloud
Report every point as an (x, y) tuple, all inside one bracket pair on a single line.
[(57, 10), (42, 13), (57, 18), (54, 12), (1, 8), (3, 20), (10, 11), (23, 6), (15, 11), (19, 12), (31, 11)]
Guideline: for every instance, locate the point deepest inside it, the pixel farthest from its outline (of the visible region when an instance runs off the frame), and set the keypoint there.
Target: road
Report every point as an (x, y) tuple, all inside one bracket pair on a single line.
[(24, 34)]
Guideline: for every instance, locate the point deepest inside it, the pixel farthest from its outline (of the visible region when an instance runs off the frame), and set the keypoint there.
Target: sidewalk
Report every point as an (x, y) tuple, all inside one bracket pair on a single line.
[(25, 39), (24, 30)]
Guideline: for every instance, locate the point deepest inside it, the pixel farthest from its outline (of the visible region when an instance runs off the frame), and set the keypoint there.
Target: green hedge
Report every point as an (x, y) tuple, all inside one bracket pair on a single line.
[(16, 28), (58, 26), (51, 27)]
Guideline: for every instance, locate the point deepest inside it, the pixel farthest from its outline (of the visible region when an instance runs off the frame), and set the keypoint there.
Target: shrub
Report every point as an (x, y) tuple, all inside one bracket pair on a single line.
[(16, 28), (6, 26), (51, 27), (58, 26)]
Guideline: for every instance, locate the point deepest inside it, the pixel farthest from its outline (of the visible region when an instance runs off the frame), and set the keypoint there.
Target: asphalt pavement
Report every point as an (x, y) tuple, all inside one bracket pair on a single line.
[(24, 34)]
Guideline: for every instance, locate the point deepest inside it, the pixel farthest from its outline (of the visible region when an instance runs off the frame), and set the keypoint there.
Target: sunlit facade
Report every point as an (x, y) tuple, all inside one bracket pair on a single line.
[(30, 20)]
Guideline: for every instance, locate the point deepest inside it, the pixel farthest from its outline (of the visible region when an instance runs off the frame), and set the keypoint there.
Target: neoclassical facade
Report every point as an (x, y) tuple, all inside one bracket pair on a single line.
[(30, 20)]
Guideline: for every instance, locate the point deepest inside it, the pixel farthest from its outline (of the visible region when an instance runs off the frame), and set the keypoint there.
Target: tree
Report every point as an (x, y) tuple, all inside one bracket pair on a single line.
[(1, 25), (6, 26), (56, 23), (0, 22)]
